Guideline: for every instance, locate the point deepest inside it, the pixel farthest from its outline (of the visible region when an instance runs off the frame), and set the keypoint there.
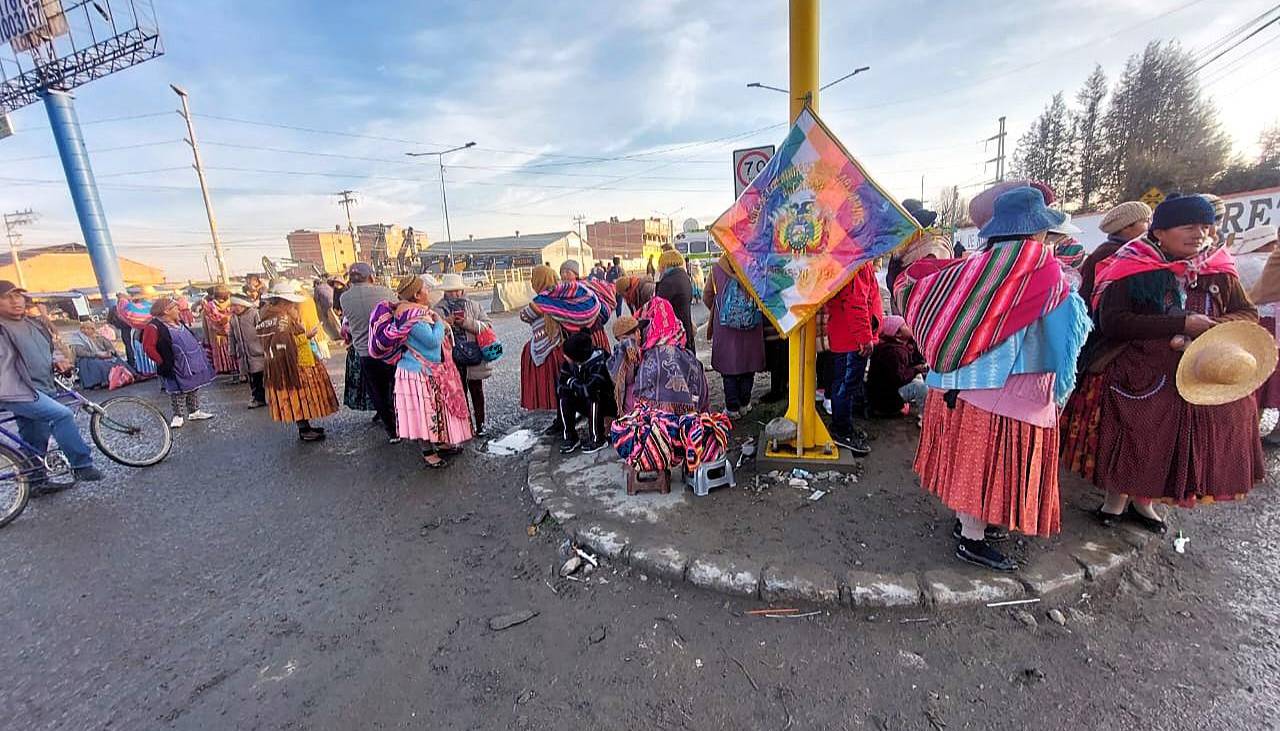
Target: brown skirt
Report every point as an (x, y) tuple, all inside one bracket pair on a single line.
[(992, 467), (314, 399), (1152, 444), (1079, 426)]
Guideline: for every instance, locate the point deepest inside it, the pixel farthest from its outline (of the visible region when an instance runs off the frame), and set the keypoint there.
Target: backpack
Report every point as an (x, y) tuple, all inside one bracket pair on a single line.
[(737, 310)]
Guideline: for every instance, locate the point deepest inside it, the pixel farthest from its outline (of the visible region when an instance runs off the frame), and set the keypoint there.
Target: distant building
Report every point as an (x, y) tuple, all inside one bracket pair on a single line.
[(332, 251), (627, 239), (65, 267), (511, 252)]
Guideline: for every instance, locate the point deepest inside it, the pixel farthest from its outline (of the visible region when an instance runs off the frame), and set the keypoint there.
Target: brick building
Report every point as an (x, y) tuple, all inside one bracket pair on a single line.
[(332, 251), (627, 239)]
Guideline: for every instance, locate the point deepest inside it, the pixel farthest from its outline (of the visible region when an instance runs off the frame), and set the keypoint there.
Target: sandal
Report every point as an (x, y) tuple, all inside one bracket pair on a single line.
[(439, 464)]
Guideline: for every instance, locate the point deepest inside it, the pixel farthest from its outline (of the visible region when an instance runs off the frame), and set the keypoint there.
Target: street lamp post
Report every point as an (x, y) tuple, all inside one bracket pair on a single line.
[(444, 200)]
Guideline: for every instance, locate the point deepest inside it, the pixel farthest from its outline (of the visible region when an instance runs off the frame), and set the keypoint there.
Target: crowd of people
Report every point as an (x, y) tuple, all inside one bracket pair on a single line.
[(1140, 366)]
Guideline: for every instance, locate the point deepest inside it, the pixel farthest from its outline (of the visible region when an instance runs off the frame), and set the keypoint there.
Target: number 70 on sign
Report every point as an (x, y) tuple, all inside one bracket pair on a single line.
[(747, 164)]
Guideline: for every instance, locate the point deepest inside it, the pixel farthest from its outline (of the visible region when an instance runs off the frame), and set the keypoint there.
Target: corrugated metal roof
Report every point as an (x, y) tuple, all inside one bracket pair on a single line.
[(523, 242)]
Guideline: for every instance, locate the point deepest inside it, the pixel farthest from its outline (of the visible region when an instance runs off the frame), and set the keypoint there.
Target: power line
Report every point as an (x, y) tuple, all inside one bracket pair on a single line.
[(1227, 50)]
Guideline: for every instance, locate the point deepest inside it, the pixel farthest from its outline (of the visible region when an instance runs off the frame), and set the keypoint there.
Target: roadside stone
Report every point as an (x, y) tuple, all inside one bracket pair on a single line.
[(911, 660), (946, 588), (667, 562), (608, 542), (1133, 535), (503, 621), (720, 573), (1100, 558), (806, 583), (868, 589), (1057, 617), (1051, 572), (1026, 618)]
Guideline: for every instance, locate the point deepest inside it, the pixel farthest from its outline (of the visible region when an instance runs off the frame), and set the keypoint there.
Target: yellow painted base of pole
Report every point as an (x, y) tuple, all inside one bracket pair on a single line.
[(813, 441)]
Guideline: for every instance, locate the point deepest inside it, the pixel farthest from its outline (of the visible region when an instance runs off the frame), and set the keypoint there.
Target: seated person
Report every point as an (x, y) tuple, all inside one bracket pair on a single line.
[(95, 356), (669, 376), (894, 377), (585, 388)]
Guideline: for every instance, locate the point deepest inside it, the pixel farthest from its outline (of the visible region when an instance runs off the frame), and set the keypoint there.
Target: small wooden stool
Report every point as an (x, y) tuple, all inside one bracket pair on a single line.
[(638, 482)]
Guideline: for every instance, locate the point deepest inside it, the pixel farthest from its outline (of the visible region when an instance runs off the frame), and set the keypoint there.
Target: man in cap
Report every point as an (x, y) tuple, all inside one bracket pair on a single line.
[(377, 376), (1122, 223), (27, 364)]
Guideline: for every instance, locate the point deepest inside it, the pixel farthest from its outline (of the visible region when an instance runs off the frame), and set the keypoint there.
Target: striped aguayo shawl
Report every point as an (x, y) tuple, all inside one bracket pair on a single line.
[(573, 304), (960, 309)]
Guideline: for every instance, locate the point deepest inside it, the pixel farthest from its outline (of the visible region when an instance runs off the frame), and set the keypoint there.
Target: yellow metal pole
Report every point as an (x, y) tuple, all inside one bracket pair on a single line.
[(812, 441)]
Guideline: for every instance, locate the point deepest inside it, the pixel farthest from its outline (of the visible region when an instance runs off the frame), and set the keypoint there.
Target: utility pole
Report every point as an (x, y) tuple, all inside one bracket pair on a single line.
[(204, 187), (444, 199), (999, 158), (346, 201), (580, 219), (11, 223)]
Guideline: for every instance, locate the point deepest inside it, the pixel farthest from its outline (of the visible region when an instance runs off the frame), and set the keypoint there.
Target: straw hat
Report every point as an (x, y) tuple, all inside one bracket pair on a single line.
[(147, 291), (450, 282), (1227, 363), (625, 325)]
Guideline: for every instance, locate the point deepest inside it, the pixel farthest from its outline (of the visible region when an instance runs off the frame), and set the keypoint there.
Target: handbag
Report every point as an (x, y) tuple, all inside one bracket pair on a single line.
[(466, 353), (490, 346)]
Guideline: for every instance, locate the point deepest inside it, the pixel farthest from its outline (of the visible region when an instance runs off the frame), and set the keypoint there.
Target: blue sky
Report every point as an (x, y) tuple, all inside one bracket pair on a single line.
[(547, 89)]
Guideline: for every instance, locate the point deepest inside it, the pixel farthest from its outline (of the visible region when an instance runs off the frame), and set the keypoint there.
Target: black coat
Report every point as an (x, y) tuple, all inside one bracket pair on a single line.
[(676, 287)]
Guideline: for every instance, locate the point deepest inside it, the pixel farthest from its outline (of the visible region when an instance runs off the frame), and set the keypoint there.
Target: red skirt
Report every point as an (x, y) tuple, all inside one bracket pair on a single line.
[(1079, 426), (538, 382), (1154, 445), (995, 468)]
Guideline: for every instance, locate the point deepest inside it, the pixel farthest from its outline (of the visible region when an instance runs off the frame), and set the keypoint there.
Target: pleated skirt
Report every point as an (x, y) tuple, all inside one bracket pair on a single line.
[(995, 468), (315, 398), (421, 411)]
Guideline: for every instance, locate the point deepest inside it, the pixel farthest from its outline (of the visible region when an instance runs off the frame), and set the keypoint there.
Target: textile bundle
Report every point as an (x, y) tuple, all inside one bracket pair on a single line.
[(651, 440)]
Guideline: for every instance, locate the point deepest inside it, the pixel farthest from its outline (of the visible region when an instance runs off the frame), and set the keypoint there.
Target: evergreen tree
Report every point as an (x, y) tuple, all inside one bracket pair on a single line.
[(1158, 130), (1045, 152), (1086, 132)]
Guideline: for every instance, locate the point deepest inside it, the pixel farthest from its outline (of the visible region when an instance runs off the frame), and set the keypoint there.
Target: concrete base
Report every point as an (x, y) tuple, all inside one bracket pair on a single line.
[(846, 462)]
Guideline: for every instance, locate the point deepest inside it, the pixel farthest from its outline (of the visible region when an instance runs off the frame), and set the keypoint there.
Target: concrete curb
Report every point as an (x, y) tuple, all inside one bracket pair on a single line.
[(1073, 566)]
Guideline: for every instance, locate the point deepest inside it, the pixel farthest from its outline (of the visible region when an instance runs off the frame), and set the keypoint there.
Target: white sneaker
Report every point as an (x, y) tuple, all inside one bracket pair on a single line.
[(177, 422), (826, 405), (199, 415)]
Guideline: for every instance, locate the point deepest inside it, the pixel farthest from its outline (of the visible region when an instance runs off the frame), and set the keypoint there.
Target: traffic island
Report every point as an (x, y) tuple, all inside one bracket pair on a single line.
[(868, 539)]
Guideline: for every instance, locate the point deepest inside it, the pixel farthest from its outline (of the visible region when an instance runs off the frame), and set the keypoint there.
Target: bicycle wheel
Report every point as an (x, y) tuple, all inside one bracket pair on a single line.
[(131, 431), (14, 487)]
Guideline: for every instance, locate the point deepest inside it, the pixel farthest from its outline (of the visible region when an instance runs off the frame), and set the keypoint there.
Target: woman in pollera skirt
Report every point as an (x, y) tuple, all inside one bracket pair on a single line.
[(430, 404), (297, 383), (1156, 444), (1001, 331)]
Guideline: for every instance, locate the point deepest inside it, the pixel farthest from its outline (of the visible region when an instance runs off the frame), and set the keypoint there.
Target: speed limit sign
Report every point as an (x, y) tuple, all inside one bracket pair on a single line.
[(747, 164)]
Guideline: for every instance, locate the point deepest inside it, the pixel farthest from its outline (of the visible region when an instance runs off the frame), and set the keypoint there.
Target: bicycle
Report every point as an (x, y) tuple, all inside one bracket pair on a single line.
[(127, 429)]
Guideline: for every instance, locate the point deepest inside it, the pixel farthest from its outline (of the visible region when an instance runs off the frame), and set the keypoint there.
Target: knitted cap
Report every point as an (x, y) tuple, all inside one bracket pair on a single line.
[(1124, 214), (1181, 211), (670, 259)]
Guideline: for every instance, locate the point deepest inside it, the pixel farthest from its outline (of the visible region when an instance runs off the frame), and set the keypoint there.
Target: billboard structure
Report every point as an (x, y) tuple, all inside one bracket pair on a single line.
[(54, 47)]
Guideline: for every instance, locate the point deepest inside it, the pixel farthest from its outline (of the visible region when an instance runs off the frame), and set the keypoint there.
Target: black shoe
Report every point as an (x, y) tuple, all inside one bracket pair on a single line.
[(569, 446), (593, 447), (480, 433), (1159, 527), (980, 553), (556, 427), (1105, 519), (857, 445), (993, 533), (87, 474)]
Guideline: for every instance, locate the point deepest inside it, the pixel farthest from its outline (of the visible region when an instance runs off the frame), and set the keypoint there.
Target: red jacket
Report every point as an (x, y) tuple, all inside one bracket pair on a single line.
[(855, 312)]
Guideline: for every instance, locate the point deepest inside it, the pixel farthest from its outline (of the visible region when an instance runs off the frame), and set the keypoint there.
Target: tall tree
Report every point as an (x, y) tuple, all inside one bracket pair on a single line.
[(953, 209), (1159, 131), (1086, 133), (1045, 151), (1264, 172)]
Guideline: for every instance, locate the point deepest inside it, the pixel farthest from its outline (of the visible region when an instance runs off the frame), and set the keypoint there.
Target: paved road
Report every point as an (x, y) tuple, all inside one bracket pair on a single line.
[(253, 582)]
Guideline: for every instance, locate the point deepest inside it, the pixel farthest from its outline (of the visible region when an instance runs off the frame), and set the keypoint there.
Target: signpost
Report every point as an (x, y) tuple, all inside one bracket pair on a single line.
[(1153, 197), (747, 164)]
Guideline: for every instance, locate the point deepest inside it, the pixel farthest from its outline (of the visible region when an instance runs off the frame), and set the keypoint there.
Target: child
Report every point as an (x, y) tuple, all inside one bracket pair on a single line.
[(180, 360), (894, 380), (585, 388)]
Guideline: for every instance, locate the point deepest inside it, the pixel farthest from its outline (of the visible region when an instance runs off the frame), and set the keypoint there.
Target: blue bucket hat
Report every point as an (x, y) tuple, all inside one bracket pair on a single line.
[(1021, 212)]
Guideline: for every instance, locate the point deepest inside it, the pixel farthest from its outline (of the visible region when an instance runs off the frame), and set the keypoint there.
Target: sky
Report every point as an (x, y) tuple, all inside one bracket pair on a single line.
[(599, 109)]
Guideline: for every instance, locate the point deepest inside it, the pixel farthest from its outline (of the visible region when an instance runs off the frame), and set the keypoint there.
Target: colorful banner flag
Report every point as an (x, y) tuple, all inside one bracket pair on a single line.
[(806, 223)]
